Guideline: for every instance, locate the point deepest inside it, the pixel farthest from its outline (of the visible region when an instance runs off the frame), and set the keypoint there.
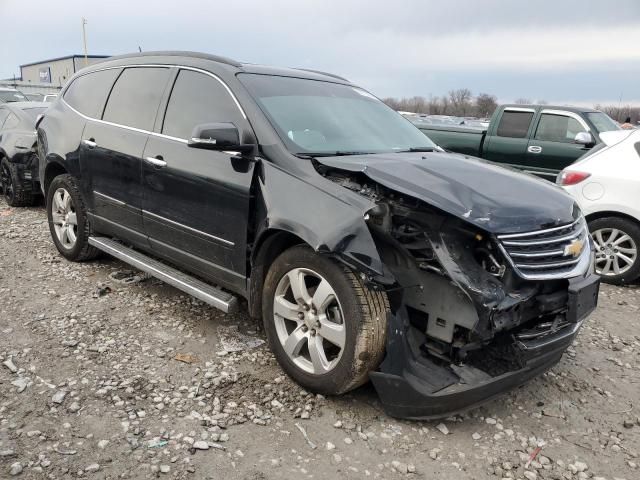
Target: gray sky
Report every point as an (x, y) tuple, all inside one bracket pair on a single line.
[(564, 51)]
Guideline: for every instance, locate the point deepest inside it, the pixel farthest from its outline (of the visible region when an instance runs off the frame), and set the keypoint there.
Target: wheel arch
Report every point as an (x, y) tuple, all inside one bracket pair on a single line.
[(269, 245), (611, 213), (53, 169)]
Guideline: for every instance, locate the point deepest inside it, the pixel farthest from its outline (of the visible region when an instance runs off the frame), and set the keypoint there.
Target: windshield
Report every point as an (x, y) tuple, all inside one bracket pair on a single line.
[(7, 96), (322, 118), (602, 122)]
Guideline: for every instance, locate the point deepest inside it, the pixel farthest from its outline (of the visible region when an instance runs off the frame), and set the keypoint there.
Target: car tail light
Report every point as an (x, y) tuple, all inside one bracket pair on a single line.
[(572, 177)]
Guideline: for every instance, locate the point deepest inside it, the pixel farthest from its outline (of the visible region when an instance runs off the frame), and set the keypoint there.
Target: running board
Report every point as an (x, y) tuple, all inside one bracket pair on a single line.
[(188, 284)]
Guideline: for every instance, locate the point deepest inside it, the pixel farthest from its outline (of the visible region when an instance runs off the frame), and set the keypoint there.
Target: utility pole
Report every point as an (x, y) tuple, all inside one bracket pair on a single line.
[(84, 41)]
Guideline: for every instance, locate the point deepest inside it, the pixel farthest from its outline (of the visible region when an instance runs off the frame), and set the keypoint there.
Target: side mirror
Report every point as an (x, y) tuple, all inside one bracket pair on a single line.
[(584, 138), (217, 136)]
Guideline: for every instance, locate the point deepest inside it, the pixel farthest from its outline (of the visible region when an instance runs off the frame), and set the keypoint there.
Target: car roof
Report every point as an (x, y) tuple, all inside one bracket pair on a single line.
[(235, 65), (567, 108)]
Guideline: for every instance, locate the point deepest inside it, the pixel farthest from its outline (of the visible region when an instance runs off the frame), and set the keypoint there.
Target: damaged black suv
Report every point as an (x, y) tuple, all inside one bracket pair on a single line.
[(368, 252)]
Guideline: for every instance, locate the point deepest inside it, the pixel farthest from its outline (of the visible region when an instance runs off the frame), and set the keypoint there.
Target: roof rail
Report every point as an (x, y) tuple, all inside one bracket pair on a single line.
[(174, 53), (320, 72)]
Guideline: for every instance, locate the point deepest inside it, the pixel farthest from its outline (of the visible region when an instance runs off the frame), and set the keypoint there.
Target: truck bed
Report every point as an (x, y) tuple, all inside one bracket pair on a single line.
[(458, 138)]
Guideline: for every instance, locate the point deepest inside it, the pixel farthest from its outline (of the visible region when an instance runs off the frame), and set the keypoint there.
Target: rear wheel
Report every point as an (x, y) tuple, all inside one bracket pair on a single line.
[(16, 192), (327, 329), (617, 242), (68, 221)]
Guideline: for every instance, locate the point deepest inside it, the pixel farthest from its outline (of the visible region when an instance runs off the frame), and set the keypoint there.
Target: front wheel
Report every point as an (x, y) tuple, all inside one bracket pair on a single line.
[(326, 328), (617, 242)]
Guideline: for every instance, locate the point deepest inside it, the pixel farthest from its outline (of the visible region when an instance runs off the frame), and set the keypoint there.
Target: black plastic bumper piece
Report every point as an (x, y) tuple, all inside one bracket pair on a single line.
[(405, 393)]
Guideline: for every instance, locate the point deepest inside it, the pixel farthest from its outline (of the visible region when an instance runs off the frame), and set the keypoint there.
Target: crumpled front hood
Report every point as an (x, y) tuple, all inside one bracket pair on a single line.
[(494, 198)]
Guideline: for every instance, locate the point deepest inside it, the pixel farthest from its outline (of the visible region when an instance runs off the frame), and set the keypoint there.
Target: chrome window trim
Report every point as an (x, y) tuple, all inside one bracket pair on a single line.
[(151, 65), (519, 109), (563, 113), (186, 227)]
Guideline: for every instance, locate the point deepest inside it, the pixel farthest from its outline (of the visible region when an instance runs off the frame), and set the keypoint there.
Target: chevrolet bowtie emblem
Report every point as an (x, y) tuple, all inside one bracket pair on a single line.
[(574, 249)]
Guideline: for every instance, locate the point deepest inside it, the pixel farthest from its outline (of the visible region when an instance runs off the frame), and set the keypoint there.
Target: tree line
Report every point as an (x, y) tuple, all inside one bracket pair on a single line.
[(462, 103)]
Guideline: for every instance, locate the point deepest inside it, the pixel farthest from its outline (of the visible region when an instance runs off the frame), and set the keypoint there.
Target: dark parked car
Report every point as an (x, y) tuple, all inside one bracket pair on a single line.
[(18, 158), (366, 251)]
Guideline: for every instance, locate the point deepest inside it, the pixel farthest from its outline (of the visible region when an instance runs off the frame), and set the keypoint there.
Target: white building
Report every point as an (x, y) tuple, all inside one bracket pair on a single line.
[(57, 71)]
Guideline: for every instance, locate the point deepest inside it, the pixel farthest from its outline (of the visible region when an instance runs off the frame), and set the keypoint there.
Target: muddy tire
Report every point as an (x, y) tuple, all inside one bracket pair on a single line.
[(326, 328), (617, 243), (16, 192), (68, 221)]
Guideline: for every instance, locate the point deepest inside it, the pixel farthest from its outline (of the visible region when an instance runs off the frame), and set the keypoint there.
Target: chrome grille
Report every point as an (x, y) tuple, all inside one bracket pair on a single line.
[(558, 252)]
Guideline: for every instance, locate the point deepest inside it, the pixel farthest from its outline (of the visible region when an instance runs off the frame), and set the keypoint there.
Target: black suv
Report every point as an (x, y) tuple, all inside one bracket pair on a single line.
[(368, 252)]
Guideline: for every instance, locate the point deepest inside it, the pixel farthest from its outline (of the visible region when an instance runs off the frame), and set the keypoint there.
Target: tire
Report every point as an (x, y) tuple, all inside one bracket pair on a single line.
[(16, 192), (617, 242), (352, 314), (65, 206)]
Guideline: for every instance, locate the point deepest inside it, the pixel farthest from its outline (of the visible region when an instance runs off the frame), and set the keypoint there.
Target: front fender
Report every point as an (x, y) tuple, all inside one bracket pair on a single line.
[(327, 223)]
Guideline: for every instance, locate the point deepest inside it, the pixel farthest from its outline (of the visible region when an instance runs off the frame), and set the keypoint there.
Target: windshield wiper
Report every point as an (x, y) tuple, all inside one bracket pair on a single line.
[(338, 153), (417, 149)]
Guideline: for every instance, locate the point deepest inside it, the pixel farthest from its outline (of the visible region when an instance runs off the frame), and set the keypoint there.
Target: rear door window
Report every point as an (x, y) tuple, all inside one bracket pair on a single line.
[(198, 98), (558, 128), (514, 124), (88, 93), (136, 96)]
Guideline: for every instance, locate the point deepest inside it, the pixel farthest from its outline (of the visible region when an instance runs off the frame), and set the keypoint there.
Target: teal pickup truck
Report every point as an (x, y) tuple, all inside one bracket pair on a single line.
[(538, 139)]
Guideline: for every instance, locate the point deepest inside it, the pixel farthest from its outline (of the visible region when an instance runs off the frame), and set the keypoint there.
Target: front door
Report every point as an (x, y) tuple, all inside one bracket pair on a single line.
[(112, 149), (196, 202), (552, 147)]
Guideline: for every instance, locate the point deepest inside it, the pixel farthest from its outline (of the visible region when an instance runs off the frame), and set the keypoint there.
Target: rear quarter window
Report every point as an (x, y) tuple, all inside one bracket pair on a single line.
[(637, 147), (514, 124), (88, 93)]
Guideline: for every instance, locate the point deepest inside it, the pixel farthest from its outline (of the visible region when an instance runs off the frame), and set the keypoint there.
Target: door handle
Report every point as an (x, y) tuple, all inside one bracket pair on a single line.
[(156, 161), (534, 149), (91, 143)]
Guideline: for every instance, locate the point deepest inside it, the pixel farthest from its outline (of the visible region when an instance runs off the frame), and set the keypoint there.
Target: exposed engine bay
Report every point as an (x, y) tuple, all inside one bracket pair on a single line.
[(460, 293)]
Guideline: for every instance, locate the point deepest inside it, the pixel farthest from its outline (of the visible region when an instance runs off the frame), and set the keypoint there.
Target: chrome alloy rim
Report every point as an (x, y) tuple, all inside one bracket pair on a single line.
[(309, 321), (616, 252), (65, 220)]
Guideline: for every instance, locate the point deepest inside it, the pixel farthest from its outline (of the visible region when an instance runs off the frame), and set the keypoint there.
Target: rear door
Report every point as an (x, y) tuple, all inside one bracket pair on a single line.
[(196, 202), (508, 142), (112, 148), (552, 146)]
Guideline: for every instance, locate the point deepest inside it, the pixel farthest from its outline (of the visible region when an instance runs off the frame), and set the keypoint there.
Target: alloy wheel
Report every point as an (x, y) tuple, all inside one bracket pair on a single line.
[(65, 220), (309, 321), (616, 252)]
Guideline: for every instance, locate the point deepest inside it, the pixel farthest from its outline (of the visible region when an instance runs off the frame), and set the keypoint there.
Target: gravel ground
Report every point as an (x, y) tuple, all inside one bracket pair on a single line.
[(105, 374)]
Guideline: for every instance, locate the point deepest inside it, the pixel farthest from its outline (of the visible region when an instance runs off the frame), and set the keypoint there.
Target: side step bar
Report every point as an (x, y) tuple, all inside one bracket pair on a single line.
[(215, 297)]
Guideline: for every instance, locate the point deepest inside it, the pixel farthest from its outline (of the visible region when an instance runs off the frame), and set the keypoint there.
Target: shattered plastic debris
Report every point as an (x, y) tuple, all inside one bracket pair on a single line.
[(156, 443), (101, 290), (234, 341), (128, 277), (185, 357)]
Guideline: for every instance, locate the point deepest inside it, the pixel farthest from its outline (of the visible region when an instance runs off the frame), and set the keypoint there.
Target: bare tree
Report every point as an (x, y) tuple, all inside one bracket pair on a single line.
[(460, 100), (523, 101), (486, 104)]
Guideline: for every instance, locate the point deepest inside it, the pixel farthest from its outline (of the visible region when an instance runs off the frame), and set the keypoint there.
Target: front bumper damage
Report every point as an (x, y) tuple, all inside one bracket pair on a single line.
[(414, 386)]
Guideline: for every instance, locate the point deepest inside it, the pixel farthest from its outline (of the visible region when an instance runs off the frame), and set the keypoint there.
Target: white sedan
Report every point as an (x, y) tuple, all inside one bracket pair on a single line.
[(606, 184)]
